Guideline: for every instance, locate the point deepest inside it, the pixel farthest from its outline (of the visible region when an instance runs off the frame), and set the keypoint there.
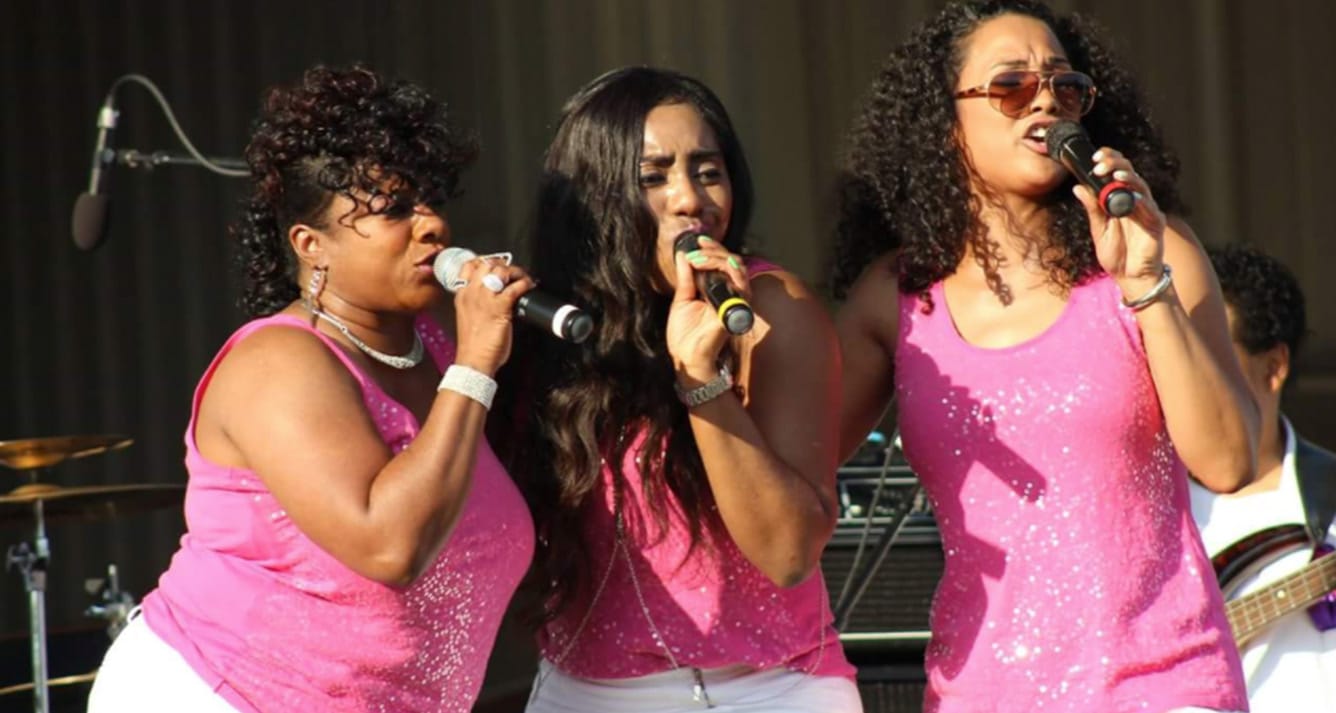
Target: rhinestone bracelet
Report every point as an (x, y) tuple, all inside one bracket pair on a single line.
[(469, 382)]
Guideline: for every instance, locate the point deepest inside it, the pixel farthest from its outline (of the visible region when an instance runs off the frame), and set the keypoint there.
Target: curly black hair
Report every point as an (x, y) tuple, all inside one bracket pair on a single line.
[(906, 184), (594, 238), (339, 131), (1268, 305)]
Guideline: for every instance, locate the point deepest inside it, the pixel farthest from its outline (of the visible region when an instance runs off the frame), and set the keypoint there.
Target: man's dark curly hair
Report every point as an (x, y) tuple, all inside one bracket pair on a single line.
[(595, 239), (906, 183), (1265, 297), (338, 131)]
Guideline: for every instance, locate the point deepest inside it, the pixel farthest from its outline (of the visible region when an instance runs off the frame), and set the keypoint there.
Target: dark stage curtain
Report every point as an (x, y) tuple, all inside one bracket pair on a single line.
[(114, 340)]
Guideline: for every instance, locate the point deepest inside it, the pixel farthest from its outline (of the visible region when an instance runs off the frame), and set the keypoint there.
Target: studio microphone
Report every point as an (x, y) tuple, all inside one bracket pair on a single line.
[(537, 308), (89, 219), (714, 286), (1068, 144)]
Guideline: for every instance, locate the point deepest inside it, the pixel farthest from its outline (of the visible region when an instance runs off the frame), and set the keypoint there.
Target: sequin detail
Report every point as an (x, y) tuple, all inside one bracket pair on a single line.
[(1074, 579), (314, 636)]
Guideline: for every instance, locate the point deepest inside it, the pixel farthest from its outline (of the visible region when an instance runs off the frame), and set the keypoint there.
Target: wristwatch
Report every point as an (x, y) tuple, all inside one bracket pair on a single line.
[(708, 391)]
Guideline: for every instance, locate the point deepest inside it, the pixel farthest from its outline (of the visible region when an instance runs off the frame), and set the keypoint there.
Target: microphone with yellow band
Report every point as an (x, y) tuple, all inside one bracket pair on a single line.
[(715, 288)]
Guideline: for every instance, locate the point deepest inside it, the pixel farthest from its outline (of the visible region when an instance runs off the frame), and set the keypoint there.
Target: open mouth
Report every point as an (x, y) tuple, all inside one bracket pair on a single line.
[(1035, 138)]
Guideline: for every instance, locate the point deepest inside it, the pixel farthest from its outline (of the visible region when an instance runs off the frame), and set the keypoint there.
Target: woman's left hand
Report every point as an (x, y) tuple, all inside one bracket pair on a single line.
[(694, 332), (1131, 248)]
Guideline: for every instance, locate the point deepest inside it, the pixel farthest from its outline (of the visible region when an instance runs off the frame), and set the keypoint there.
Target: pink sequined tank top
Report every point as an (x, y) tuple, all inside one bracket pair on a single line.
[(711, 610), (1074, 577), (275, 623)]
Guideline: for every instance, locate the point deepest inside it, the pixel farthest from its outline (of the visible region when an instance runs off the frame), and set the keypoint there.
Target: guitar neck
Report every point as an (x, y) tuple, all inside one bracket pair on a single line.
[(1251, 613)]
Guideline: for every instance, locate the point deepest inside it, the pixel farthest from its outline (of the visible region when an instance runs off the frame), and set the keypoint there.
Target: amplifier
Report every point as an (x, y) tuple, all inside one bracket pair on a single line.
[(886, 630)]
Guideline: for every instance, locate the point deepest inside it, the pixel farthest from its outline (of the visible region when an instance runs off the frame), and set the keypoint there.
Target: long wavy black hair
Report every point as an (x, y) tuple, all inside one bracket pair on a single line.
[(905, 186), (336, 132), (594, 240)]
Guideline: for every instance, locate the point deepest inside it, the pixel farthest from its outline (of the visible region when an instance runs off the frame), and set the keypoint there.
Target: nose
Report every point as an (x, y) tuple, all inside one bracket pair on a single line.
[(1045, 100), (685, 196), (430, 225)]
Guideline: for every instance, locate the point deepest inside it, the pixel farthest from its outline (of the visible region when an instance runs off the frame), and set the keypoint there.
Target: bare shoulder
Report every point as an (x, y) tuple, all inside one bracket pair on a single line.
[(872, 308), (279, 363)]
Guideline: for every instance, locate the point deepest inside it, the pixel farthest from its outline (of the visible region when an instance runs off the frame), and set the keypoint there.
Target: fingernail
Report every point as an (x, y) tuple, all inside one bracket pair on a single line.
[(1097, 156), (733, 262), (704, 239), (1121, 175), (695, 257), (1100, 169)]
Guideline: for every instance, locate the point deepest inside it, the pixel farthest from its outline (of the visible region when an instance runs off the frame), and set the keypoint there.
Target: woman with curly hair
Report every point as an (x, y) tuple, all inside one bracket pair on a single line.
[(352, 540), (1052, 373), (681, 477)]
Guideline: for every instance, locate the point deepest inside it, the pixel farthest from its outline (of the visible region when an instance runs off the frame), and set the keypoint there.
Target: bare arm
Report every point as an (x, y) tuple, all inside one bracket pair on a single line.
[(868, 326), (1210, 415), (771, 456), (280, 404)]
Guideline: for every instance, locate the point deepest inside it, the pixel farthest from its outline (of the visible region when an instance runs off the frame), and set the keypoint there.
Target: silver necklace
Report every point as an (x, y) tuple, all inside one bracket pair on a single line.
[(407, 361)]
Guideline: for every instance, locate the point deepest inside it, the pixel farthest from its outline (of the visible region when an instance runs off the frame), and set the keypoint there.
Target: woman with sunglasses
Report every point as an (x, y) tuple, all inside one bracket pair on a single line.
[(1054, 369)]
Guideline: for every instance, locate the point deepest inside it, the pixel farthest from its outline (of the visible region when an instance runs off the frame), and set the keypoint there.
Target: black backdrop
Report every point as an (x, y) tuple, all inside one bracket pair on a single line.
[(113, 340)]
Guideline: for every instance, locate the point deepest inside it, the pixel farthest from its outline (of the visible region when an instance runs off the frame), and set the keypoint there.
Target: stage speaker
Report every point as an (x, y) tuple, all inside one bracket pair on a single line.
[(886, 628)]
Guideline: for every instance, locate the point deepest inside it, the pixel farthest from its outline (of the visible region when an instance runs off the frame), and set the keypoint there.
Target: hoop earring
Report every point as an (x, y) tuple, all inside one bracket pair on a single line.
[(314, 287)]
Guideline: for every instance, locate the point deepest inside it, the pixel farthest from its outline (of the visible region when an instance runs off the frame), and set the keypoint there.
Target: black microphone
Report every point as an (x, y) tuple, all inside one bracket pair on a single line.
[(537, 308), (714, 286), (89, 219), (1068, 144)]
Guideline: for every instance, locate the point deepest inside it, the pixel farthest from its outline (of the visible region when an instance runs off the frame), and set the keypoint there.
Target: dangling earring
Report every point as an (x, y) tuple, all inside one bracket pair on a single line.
[(315, 287)]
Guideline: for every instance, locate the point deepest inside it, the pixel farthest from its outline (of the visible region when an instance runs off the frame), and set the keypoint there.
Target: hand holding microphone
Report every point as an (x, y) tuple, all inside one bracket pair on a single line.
[(714, 287), (539, 309), (1069, 145)]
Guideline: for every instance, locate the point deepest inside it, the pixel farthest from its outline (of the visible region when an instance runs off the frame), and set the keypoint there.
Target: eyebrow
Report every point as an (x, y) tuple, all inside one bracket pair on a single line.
[(660, 160), (1025, 63)]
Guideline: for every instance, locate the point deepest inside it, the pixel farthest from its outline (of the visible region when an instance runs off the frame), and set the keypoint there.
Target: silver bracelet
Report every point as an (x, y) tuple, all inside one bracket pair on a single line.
[(469, 382), (1144, 301), (710, 390)]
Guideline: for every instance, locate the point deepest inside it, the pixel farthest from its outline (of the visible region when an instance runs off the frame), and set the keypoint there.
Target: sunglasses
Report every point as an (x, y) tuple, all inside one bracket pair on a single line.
[(1012, 92)]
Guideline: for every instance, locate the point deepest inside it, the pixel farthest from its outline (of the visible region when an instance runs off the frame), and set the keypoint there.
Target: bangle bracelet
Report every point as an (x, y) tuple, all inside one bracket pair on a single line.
[(1144, 301), (709, 391), (469, 382)]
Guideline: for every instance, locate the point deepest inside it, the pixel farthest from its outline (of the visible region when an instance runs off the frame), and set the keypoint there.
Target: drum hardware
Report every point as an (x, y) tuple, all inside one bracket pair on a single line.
[(28, 503), (113, 604), (62, 681), (33, 453)]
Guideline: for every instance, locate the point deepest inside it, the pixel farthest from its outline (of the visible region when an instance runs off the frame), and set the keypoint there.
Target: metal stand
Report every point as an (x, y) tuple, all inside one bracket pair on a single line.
[(32, 563), (893, 521)]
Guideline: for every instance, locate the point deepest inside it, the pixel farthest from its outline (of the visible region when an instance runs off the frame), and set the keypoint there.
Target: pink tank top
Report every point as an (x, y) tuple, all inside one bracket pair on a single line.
[(711, 610), (273, 622), (1074, 580)]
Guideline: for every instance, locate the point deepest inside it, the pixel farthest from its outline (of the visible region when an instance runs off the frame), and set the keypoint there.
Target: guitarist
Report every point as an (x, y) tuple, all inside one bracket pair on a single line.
[(1291, 666)]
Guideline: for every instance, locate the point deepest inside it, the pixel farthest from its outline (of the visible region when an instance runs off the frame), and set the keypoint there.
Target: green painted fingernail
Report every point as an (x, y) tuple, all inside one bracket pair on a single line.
[(695, 257), (704, 239), (733, 262)]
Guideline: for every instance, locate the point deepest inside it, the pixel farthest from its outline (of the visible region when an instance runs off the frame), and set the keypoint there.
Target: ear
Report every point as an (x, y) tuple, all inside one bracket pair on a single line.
[(1277, 367), (308, 244)]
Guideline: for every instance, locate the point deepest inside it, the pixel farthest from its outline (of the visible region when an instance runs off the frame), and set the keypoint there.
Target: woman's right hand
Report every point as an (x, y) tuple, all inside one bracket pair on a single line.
[(482, 317)]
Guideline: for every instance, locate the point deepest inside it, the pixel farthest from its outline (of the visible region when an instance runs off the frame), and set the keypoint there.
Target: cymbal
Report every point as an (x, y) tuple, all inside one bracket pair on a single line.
[(62, 681), (90, 502), (27, 453)]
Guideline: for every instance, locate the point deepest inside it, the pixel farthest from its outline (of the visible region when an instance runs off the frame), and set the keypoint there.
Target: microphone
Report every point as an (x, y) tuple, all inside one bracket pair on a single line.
[(1069, 145), (89, 219), (714, 286), (537, 308)]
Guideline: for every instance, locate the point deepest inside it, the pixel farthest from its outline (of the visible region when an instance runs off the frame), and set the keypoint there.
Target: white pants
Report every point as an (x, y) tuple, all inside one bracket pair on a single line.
[(142, 674), (729, 690)]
